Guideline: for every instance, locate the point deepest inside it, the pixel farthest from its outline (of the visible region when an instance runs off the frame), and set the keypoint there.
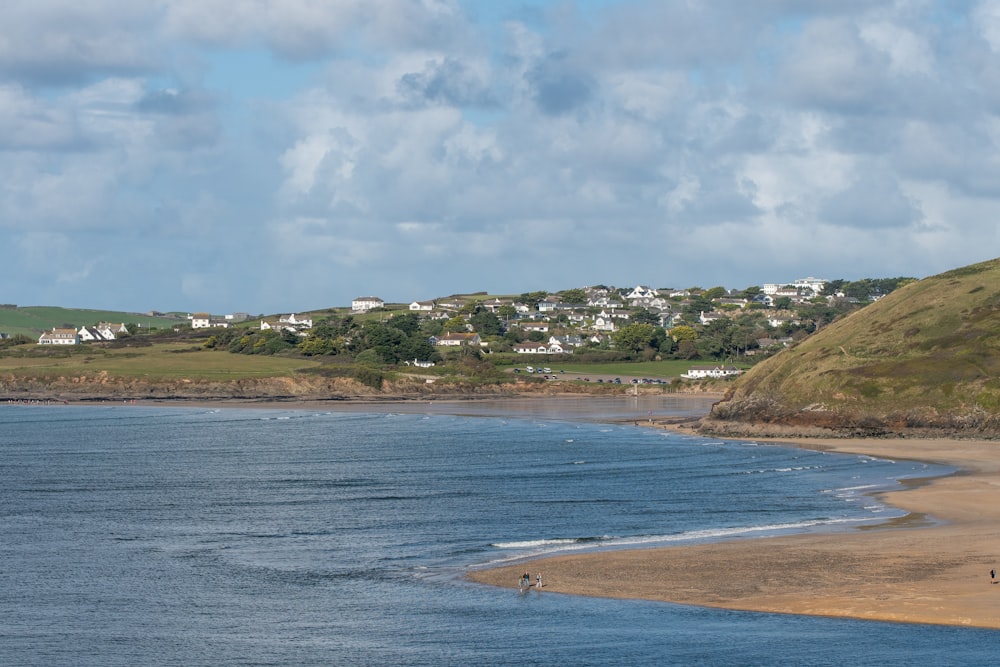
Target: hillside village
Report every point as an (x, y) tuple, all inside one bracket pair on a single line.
[(694, 323)]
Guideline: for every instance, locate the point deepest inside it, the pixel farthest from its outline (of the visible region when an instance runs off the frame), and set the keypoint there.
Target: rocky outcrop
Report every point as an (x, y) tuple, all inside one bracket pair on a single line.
[(104, 387)]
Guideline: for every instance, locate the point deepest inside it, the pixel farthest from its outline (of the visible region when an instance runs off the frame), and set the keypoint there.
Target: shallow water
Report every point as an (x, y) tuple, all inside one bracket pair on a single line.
[(136, 535)]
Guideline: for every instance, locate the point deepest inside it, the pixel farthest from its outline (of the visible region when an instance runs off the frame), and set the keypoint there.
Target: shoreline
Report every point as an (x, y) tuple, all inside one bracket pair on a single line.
[(911, 570)]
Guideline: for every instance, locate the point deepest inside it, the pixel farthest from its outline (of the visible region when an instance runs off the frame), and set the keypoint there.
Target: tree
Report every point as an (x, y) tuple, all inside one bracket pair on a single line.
[(783, 302), (507, 312), (686, 349), (695, 307), (408, 323), (532, 298), (575, 295), (455, 324), (643, 316), (486, 323), (683, 332), (635, 337)]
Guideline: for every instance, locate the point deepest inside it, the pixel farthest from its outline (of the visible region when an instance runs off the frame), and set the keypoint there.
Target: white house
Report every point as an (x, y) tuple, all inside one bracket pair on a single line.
[(566, 341), (456, 339), (91, 334), (59, 337), (708, 318), (294, 325), (296, 322), (206, 321), (548, 304), (700, 372), (422, 306), (365, 303), (641, 295), (807, 286), (606, 321)]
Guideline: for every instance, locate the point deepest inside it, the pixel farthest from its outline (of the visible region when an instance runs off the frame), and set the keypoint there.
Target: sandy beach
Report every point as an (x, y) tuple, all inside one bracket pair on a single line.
[(931, 567)]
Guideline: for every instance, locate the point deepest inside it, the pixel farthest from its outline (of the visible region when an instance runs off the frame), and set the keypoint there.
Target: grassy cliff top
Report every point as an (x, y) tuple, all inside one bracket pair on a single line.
[(927, 354)]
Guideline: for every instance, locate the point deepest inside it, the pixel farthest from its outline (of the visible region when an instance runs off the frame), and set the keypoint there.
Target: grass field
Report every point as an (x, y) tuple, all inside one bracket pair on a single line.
[(33, 320), (166, 361)]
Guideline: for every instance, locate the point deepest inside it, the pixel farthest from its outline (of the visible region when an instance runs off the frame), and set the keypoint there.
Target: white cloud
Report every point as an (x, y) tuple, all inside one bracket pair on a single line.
[(57, 41), (424, 147), (909, 53)]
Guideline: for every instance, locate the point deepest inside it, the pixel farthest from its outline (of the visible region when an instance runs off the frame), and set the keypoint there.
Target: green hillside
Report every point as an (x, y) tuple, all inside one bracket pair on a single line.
[(925, 356), (33, 320)]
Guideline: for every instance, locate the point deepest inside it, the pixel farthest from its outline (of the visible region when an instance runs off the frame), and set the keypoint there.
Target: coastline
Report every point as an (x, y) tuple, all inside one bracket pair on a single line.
[(908, 571)]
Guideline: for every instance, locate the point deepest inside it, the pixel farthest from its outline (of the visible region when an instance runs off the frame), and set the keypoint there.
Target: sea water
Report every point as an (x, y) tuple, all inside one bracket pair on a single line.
[(184, 536)]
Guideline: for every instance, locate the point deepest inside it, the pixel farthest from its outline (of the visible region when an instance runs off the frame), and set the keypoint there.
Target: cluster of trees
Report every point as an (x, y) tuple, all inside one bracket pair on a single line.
[(866, 289), (397, 339)]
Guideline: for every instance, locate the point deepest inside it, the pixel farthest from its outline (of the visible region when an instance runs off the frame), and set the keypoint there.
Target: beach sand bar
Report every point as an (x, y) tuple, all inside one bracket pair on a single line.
[(914, 571)]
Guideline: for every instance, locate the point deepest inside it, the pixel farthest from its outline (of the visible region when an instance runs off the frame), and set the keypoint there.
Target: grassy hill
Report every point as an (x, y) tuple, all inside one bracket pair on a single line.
[(33, 320), (925, 356)]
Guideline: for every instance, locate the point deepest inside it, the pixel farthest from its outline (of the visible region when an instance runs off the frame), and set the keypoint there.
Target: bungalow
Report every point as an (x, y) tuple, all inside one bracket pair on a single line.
[(707, 318), (419, 364), (365, 303), (531, 348), (422, 306), (542, 327), (59, 337), (700, 372), (451, 303), (540, 348), (731, 302), (456, 339)]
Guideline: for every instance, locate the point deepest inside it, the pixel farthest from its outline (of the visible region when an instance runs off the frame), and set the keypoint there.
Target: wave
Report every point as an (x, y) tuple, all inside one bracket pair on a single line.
[(546, 547), (530, 544)]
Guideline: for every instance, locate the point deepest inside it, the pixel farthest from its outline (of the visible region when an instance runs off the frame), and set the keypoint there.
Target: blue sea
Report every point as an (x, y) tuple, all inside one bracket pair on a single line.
[(134, 535)]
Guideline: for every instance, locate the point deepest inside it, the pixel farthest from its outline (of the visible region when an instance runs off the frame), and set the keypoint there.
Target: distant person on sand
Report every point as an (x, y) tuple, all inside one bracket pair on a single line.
[(538, 580), (993, 576)]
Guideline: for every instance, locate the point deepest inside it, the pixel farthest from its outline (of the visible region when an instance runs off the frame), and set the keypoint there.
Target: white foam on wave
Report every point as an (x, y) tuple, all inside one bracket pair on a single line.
[(536, 548), (530, 544)]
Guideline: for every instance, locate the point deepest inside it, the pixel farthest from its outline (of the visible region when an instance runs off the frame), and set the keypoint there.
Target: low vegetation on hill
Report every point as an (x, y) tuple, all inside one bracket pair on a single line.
[(925, 357)]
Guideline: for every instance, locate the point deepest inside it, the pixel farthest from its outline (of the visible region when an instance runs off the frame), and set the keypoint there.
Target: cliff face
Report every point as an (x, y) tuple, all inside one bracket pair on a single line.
[(926, 357), (102, 386)]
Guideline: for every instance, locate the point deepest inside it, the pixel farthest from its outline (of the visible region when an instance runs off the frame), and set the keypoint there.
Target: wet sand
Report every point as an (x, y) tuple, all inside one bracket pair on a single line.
[(914, 570)]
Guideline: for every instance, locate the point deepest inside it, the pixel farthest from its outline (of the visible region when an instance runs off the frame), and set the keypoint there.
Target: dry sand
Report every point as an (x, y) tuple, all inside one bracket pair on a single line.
[(913, 570)]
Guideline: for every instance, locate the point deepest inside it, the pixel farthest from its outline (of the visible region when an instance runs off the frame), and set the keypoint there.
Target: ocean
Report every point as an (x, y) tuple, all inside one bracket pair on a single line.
[(135, 535)]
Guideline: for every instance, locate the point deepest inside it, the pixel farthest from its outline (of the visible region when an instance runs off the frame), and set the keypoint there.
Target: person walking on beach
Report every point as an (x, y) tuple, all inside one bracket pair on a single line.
[(993, 576), (538, 580)]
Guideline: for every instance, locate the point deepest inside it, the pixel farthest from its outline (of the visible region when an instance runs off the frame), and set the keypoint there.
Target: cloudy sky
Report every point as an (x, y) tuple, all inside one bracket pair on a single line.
[(286, 155)]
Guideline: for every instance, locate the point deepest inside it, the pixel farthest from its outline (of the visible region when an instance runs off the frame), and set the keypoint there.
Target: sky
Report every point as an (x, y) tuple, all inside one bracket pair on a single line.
[(269, 156)]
